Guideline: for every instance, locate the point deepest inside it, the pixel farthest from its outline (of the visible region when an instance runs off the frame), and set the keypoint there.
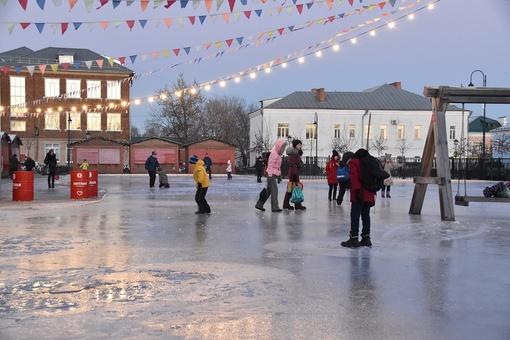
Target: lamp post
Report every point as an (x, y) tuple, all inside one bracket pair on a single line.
[(484, 84), (69, 120), (455, 156), (316, 123)]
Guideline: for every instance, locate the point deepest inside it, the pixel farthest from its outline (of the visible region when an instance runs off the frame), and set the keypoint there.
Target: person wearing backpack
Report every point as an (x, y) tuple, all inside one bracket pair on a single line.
[(361, 202), (331, 168), (344, 184)]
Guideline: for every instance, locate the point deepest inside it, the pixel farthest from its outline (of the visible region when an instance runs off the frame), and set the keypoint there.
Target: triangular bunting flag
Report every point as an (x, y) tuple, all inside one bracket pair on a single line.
[(31, 69), (104, 24), (88, 63), (130, 24), (247, 14), (229, 42), (218, 4), (239, 40), (41, 3), (88, 5), (168, 22), (54, 67), (64, 27), (144, 4), (24, 24), (184, 3), (111, 61), (169, 3), (6, 69), (165, 53), (23, 4), (202, 18), (226, 17), (122, 60), (40, 26), (192, 20), (299, 8), (18, 69), (100, 63), (115, 3), (42, 67), (132, 58), (143, 22), (258, 12), (77, 65), (155, 55), (176, 51), (208, 5), (187, 49), (231, 4), (76, 25), (280, 30)]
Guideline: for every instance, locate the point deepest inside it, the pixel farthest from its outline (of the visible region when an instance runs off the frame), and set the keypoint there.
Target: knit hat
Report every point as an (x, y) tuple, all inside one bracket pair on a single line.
[(295, 142), (348, 155), (335, 153), (193, 159)]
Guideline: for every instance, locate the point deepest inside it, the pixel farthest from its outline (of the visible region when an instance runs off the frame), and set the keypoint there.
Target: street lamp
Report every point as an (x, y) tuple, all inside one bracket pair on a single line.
[(88, 135), (484, 83), (69, 120), (316, 123)]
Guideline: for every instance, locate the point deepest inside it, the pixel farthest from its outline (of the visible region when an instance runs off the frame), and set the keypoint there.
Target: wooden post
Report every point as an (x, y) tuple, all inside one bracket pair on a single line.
[(436, 143)]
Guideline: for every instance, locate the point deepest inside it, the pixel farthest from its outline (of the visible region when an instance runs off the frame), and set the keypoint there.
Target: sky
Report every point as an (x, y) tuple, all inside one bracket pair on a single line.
[(442, 46)]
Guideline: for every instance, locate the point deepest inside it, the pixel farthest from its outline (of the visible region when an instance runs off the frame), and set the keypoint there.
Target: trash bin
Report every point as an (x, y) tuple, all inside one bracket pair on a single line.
[(79, 184), (22, 185), (92, 183)]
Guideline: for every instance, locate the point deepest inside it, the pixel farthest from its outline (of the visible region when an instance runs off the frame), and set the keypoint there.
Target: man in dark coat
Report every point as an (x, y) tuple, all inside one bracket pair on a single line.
[(259, 168), (151, 165), (14, 162), (51, 161), (208, 165), (29, 163)]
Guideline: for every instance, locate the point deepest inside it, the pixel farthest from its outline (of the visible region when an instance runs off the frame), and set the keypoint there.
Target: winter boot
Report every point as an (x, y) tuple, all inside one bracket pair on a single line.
[(286, 199), (260, 205), (382, 194), (365, 241), (352, 242), (299, 206), (388, 194)]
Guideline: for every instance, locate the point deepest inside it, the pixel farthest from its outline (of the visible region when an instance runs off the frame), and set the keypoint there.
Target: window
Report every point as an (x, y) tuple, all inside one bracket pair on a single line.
[(368, 131), (51, 120), (62, 59), (75, 121), (401, 132), (113, 122), (336, 131), (73, 89), (352, 131), (94, 89), (56, 149), (383, 132), (283, 130), (113, 90), (51, 87), (17, 90), (417, 132), (94, 121), (18, 125), (452, 131), (311, 131)]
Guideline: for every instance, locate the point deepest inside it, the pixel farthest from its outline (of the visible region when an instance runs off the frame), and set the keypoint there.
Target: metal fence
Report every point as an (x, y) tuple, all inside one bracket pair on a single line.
[(497, 169)]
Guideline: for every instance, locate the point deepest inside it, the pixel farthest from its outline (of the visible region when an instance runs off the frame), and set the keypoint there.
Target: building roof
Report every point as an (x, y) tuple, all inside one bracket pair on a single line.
[(382, 97), (476, 124), (24, 56)]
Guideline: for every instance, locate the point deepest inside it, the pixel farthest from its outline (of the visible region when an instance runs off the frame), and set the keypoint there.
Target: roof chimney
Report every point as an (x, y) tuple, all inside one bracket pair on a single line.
[(502, 120), (320, 94), (397, 84)]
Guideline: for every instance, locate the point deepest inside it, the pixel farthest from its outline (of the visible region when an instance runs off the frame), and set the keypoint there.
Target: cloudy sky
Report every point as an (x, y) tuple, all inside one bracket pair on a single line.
[(439, 46)]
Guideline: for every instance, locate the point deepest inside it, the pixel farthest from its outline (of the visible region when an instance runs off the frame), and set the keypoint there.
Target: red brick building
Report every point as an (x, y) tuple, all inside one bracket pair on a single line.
[(54, 96)]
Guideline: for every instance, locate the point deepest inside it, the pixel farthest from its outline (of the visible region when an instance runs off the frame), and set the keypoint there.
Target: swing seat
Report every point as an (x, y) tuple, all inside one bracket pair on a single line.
[(464, 200)]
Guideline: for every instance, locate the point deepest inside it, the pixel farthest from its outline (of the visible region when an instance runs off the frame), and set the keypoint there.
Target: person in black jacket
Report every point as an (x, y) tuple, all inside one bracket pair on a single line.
[(259, 168), (208, 165), (29, 163), (151, 165), (51, 161), (14, 162)]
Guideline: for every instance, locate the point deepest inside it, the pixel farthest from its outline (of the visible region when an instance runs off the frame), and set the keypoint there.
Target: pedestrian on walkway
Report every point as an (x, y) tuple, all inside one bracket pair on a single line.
[(361, 202), (229, 170), (151, 165), (274, 177), (344, 185), (84, 165), (208, 165), (29, 163), (294, 152), (202, 184), (331, 167), (51, 161)]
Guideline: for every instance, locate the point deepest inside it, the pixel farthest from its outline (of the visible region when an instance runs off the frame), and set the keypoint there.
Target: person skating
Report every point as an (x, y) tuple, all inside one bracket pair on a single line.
[(331, 167), (202, 184), (274, 177), (294, 152), (361, 202)]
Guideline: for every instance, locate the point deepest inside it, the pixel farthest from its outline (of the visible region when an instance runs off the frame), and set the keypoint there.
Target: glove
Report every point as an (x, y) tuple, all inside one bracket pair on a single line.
[(279, 180), (359, 197), (199, 186)]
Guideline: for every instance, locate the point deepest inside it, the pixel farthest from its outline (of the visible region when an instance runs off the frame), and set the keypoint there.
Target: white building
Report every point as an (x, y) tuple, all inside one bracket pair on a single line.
[(396, 121)]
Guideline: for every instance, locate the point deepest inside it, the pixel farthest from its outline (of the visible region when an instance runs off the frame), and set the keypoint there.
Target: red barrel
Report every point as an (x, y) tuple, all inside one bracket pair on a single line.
[(79, 184), (22, 185), (92, 183)]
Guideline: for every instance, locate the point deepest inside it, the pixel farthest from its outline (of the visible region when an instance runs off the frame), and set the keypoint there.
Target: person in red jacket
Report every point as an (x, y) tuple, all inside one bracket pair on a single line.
[(361, 202), (331, 167)]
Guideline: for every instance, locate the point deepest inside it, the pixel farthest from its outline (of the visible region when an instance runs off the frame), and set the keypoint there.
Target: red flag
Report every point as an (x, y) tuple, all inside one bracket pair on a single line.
[(64, 26), (122, 60), (231, 4), (351, 1), (24, 24), (130, 24), (23, 4), (247, 14), (299, 8), (170, 3)]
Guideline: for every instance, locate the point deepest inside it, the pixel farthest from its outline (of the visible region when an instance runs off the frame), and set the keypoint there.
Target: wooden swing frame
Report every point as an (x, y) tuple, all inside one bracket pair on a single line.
[(436, 144)]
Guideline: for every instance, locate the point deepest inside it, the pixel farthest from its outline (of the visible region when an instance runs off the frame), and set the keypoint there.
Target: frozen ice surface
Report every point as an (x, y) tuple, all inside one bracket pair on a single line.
[(137, 263)]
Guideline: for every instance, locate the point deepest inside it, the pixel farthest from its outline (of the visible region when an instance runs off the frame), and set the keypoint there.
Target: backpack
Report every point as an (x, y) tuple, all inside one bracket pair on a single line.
[(342, 173), (372, 173)]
